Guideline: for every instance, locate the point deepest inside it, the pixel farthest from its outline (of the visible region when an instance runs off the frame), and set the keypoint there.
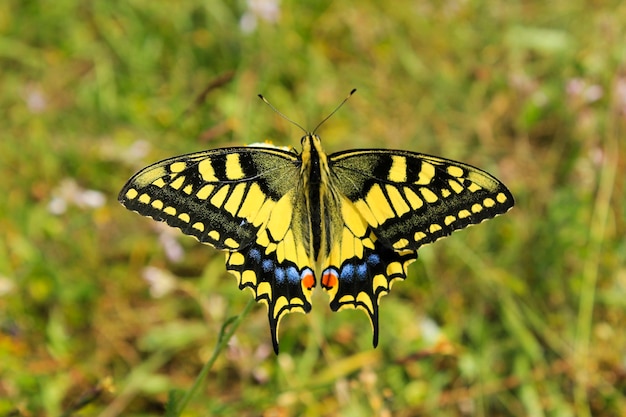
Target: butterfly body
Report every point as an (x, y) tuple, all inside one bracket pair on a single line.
[(350, 222)]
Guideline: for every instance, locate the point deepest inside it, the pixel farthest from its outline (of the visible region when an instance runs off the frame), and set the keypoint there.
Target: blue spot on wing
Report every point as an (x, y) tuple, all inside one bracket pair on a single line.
[(293, 275), (279, 273), (355, 270), (267, 265), (361, 271), (373, 259), (255, 254), (347, 273)]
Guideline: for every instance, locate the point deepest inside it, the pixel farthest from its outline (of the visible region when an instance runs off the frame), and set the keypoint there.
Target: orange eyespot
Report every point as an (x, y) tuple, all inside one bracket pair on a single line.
[(308, 279), (329, 278)]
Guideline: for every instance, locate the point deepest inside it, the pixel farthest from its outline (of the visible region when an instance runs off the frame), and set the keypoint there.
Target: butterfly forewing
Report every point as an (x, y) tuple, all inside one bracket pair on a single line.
[(412, 199), (214, 195)]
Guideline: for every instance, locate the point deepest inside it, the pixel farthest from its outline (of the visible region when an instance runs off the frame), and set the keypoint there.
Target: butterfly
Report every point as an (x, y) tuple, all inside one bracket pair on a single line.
[(350, 222)]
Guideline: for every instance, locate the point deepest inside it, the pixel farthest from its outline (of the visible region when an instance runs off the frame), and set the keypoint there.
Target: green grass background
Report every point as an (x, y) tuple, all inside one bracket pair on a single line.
[(524, 315)]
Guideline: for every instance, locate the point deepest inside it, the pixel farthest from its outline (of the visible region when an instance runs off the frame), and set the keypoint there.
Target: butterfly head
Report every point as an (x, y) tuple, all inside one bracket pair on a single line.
[(311, 144)]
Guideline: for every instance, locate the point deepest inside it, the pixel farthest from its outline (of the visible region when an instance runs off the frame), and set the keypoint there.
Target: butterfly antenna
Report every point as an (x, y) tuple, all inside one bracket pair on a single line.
[(334, 111), (281, 114)]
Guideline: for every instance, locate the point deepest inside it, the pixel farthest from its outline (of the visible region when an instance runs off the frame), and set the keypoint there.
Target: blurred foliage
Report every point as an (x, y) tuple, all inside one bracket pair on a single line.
[(102, 309)]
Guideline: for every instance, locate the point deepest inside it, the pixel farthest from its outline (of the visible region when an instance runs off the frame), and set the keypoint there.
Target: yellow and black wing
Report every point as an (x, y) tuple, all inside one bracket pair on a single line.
[(392, 203), (242, 200), (359, 215)]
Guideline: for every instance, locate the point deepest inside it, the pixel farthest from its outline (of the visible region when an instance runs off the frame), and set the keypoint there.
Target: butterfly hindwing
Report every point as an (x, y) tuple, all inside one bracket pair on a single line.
[(283, 286), (359, 281), (277, 267)]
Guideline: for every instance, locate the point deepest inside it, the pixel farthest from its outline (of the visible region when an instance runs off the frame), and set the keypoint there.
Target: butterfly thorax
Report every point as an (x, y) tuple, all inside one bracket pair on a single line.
[(319, 198)]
